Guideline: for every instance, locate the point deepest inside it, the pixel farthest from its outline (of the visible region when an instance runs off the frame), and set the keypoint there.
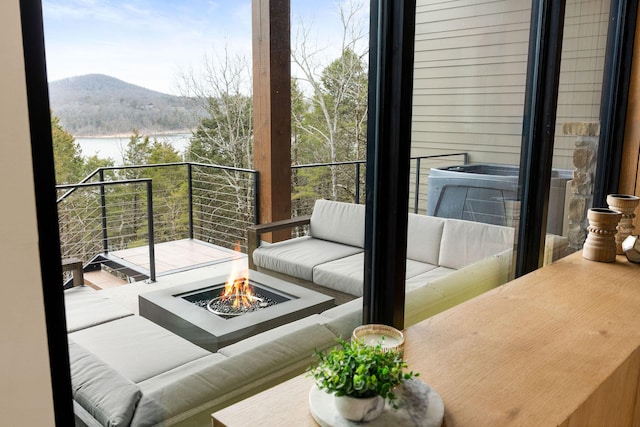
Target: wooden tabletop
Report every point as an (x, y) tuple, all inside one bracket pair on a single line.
[(559, 346)]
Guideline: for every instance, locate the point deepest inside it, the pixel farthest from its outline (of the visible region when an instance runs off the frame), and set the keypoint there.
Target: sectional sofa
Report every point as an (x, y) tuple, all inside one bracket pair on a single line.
[(126, 370), (330, 258)]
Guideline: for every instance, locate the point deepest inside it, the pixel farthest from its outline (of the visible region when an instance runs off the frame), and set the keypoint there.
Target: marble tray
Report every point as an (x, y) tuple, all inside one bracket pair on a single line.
[(418, 406)]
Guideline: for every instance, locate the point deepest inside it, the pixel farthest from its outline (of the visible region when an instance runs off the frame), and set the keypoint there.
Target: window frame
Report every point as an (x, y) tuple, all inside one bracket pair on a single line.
[(380, 214)]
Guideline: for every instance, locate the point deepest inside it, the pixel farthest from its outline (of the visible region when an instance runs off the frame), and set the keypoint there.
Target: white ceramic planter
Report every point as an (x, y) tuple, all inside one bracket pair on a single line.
[(359, 409)]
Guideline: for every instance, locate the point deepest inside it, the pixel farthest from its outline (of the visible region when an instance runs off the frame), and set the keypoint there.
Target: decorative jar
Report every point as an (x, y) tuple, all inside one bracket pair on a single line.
[(626, 204), (601, 242)]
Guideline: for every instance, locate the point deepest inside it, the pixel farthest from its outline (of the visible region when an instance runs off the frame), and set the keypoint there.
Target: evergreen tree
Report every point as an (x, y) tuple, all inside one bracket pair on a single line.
[(170, 193), (78, 221), (169, 184), (67, 154)]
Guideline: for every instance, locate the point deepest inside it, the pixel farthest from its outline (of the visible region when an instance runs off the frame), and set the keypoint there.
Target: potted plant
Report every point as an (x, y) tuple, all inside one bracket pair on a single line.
[(362, 377)]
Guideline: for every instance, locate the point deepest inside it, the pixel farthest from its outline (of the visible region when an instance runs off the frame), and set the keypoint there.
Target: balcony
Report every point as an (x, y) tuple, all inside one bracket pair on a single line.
[(137, 223)]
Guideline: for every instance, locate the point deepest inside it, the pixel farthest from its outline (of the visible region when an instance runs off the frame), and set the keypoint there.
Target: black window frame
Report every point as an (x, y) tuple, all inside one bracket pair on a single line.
[(386, 166), (384, 287)]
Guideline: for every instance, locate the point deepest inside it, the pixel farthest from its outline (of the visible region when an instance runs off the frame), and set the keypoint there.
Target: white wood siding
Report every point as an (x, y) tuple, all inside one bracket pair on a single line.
[(470, 73)]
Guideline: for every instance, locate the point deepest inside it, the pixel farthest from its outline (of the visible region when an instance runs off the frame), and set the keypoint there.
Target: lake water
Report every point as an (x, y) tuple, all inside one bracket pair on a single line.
[(114, 147)]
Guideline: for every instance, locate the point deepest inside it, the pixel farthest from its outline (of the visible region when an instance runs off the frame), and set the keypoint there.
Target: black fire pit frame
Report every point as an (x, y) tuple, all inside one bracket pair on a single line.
[(168, 309)]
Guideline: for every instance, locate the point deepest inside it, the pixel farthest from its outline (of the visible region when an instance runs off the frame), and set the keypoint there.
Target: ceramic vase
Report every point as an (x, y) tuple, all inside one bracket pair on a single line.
[(359, 410), (625, 204), (601, 241)]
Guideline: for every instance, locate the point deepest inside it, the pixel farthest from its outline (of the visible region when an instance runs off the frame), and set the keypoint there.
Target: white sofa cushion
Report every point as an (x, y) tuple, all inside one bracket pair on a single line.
[(344, 318), (424, 278), (344, 274), (173, 395), (466, 242), (297, 257), (311, 323), (187, 397), (86, 307), (106, 395), (347, 274), (138, 348), (338, 222), (424, 234), (454, 288)]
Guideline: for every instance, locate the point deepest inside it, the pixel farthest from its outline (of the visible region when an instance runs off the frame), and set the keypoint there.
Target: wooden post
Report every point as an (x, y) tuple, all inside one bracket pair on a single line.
[(74, 265), (630, 167), (272, 110)]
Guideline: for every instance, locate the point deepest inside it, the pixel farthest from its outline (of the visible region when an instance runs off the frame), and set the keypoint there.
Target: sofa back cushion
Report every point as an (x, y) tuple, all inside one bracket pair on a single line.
[(338, 222), (424, 234), (465, 242), (105, 394)]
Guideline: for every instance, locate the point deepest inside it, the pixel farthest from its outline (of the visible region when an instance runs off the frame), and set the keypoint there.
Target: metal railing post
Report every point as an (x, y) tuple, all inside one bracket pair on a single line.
[(417, 190), (103, 208), (358, 183), (152, 254), (190, 197), (256, 199)]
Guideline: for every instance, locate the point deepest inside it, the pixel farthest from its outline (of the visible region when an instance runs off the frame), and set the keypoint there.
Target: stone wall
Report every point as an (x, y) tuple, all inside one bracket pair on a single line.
[(581, 193)]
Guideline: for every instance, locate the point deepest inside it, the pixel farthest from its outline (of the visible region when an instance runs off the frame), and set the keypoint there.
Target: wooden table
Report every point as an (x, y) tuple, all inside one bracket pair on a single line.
[(559, 346)]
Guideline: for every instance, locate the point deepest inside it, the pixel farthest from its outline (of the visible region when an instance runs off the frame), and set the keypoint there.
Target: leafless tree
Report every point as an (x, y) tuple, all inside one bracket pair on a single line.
[(337, 90), (224, 134)]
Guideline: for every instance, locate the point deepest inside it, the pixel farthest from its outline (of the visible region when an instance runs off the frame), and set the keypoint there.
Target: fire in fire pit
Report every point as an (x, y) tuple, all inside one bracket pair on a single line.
[(238, 296), (214, 299)]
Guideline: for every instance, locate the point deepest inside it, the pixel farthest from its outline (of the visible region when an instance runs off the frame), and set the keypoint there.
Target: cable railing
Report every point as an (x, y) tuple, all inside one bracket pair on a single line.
[(91, 233), (345, 181), (108, 211), (103, 214)]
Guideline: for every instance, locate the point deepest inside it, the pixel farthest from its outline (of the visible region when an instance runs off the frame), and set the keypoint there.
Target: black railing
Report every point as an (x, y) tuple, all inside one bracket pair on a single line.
[(350, 181), (210, 203), (103, 214)]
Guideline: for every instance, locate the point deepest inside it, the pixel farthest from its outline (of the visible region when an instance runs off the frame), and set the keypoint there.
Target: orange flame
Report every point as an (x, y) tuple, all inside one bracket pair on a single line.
[(237, 287)]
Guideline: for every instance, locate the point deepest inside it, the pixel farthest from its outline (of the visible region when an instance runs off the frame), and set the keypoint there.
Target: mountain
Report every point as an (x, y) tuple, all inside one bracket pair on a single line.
[(96, 104)]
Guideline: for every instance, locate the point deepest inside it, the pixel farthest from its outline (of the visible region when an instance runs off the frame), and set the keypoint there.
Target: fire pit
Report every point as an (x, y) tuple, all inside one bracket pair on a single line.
[(247, 298), (214, 313)]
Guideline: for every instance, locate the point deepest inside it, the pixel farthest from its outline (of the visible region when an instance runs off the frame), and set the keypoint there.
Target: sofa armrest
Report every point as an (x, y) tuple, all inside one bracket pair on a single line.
[(254, 232)]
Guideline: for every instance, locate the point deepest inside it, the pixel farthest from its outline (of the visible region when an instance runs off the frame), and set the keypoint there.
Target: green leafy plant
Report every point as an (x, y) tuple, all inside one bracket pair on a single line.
[(358, 370)]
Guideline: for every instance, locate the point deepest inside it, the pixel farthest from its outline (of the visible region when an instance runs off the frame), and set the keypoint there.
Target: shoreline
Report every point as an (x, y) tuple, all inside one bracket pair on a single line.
[(128, 135)]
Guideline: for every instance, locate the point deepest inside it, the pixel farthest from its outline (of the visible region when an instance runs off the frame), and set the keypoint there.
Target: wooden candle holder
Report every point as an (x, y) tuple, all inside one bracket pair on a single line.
[(625, 204), (601, 242)]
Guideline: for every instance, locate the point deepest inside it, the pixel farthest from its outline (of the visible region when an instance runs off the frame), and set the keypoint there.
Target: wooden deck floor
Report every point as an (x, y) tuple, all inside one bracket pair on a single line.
[(170, 257)]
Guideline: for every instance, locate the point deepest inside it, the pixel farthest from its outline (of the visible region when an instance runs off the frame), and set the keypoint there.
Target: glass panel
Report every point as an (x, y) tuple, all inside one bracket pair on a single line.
[(469, 86), (577, 126), (203, 201)]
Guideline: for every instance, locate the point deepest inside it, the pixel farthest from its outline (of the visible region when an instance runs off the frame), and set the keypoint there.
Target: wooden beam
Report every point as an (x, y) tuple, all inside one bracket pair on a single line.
[(272, 110), (630, 167)]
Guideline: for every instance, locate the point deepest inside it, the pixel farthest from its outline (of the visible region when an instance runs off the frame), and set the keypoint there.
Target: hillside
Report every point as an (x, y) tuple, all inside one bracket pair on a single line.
[(96, 104)]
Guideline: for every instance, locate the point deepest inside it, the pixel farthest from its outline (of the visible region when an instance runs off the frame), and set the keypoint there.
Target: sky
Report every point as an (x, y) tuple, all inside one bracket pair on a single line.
[(151, 43)]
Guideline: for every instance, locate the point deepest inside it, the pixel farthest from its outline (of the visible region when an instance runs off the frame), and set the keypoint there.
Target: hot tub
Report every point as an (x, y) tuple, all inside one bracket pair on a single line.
[(489, 193)]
